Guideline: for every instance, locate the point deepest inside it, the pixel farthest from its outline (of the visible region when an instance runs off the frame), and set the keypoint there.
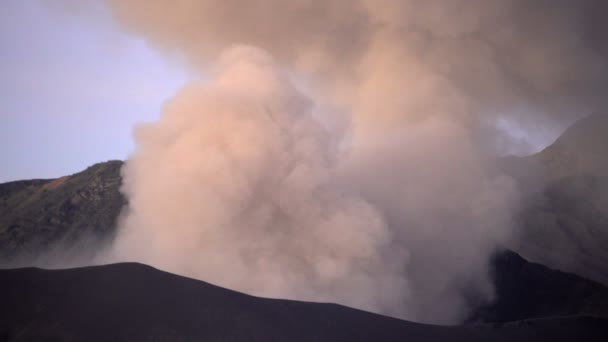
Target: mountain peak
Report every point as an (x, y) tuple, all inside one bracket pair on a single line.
[(579, 150), (37, 215)]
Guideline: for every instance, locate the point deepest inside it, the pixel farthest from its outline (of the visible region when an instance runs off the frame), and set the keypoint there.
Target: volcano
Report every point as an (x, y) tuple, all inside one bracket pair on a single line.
[(134, 302)]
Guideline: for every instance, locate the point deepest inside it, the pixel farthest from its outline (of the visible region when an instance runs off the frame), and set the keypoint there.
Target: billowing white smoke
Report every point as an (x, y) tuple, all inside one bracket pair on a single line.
[(444, 205), (381, 195), (234, 186), (239, 184)]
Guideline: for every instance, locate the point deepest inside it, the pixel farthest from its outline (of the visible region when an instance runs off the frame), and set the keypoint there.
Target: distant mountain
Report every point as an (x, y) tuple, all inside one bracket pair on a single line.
[(582, 150), (564, 223), (133, 302), (65, 214)]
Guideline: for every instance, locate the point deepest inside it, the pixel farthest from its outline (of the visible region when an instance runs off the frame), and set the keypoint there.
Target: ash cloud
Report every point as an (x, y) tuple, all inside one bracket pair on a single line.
[(233, 185), (372, 185)]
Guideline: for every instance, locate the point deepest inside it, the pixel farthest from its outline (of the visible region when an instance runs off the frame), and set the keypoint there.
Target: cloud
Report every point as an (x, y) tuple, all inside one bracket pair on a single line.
[(233, 186), (377, 189)]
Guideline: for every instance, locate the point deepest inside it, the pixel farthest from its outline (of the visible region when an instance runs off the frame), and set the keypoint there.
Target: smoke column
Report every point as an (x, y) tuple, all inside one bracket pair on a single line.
[(370, 183), (233, 185)]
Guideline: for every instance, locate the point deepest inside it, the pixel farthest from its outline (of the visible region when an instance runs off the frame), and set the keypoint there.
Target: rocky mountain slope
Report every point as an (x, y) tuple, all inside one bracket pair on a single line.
[(133, 302), (63, 215), (564, 223)]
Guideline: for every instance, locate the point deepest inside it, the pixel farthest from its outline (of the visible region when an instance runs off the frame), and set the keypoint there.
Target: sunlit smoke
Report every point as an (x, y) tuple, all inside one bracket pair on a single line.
[(244, 182), (234, 185)]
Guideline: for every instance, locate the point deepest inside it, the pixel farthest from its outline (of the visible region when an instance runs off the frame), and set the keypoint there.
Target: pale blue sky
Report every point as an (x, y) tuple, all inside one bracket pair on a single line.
[(71, 88)]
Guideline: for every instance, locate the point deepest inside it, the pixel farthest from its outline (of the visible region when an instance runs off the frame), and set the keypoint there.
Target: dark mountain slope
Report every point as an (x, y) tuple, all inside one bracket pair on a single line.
[(580, 150), (133, 302), (564, 222), (37, 215), (527, 290)]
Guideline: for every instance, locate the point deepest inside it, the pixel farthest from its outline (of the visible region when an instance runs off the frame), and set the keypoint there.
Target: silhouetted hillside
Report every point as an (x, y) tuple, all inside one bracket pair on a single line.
[(527, 290), (133, 302)]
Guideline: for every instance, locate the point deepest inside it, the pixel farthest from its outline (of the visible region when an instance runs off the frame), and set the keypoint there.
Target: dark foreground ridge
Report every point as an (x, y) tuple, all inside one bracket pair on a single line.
[(528, 290), (134, 302)]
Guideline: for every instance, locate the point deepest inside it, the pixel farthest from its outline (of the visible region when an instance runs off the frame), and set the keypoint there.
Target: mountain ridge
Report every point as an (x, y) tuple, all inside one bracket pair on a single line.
[(564, 220), (135, 302)]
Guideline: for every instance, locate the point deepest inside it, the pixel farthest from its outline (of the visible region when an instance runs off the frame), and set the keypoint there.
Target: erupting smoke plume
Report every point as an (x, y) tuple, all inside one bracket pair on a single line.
[(233, 186), (380, 194)]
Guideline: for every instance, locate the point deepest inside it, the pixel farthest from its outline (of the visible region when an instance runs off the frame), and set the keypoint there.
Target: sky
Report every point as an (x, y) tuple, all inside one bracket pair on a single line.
[(73, 85), (54, 120)]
